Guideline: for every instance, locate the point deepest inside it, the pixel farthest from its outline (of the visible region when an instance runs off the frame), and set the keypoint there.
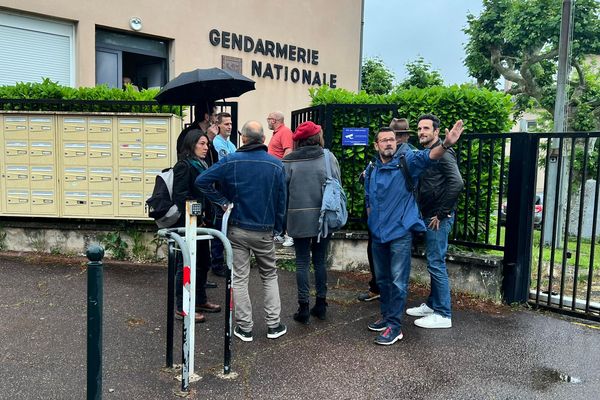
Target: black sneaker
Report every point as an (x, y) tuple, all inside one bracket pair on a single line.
[(242, 335), (279, 330)]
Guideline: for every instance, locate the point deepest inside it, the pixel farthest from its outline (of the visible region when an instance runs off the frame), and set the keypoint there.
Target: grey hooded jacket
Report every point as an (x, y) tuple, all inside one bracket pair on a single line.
[(305, 176)]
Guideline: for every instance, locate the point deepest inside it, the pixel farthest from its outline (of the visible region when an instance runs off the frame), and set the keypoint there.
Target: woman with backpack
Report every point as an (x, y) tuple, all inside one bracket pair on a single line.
[(192, 164), (306, 173)]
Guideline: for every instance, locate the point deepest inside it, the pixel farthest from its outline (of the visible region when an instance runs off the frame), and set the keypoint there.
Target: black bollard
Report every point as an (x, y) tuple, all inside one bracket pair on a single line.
[(170, 302), (95, 303)]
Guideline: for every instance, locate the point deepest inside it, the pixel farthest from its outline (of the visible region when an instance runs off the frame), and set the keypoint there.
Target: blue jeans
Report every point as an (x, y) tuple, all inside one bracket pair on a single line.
[(436, 247), (303, 247), (392, 269)]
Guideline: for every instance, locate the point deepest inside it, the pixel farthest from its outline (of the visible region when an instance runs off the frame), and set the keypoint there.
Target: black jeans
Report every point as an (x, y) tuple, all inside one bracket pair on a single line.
[(373, 287)]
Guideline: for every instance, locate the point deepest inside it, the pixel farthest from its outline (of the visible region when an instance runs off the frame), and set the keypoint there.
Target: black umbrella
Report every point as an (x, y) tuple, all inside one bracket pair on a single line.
[(202, 85)]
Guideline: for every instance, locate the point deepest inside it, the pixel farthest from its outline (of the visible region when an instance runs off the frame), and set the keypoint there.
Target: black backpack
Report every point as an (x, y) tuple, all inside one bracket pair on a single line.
[(160, 205)]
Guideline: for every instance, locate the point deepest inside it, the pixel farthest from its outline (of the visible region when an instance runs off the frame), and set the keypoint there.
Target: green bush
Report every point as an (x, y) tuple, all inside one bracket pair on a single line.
[(482, 110), (48, 89)]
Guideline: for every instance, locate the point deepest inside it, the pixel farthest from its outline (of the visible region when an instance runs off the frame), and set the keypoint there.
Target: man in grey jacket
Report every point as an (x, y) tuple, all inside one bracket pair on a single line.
[(439, 188)]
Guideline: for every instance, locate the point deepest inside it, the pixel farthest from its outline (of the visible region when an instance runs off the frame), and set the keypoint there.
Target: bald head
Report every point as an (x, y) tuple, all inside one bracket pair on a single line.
[(252, 132), (275, 120)]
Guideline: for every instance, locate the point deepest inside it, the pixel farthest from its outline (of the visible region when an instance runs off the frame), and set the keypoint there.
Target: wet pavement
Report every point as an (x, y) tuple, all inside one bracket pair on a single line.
[(511, 354)]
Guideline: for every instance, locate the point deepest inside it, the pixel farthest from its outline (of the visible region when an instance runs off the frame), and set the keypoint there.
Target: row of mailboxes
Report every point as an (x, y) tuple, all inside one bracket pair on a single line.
[(29, 127), (82, 166), (75, 178), (75, 203), (148, 130), (91, 153)]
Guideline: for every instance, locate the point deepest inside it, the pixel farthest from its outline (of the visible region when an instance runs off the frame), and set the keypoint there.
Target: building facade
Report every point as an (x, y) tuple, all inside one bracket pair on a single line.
[(287, 47)]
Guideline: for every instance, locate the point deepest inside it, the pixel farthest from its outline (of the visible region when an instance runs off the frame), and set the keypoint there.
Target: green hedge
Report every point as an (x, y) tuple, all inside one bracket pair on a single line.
[(482, 110), (48, 89)]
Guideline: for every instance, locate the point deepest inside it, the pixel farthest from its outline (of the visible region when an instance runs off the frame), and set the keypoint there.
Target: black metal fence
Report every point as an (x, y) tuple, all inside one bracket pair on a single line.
[(549, 258)]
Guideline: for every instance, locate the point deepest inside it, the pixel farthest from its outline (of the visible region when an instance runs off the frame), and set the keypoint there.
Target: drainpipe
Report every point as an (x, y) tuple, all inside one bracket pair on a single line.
[(360, 55)]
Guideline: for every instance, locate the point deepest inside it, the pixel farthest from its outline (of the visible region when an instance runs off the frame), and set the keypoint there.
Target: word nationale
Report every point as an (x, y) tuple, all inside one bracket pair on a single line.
[(276, 50)]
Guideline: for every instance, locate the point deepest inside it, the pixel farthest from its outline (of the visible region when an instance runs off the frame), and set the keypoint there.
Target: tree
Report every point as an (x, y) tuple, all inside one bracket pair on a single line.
[(376, 78), (518, 40), (420, 75)]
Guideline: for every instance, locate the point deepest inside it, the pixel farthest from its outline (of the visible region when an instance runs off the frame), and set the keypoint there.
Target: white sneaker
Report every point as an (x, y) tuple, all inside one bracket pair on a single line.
[(278, 239), (288, 242), (434, 321), (421, 311)]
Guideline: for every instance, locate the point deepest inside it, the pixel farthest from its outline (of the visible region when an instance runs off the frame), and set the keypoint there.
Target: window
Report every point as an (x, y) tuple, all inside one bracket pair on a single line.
[(123, 57), (32, 49)]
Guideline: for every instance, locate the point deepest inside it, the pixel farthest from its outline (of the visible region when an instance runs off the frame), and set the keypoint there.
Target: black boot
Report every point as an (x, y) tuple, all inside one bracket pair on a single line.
[(320, 308), (302, 315)]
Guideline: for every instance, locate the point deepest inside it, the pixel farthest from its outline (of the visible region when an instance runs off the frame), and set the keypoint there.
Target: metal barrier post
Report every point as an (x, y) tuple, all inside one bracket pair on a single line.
[(170, 301), (95, 302), (519, 219)]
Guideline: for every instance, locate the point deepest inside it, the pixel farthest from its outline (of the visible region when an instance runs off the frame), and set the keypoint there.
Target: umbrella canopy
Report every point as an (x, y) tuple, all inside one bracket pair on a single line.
[(202, 85)]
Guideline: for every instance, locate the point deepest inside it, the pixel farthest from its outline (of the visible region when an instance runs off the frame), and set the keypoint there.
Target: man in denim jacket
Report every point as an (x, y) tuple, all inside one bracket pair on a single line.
[(254, 181), (393, 217)]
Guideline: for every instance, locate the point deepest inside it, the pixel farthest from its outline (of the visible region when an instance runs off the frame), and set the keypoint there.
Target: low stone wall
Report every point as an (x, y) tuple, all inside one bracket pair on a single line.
[(468, 272), (348, 252)]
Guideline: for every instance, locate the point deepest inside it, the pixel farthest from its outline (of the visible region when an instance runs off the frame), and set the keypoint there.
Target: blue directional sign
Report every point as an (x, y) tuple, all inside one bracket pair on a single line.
[(355, 136)]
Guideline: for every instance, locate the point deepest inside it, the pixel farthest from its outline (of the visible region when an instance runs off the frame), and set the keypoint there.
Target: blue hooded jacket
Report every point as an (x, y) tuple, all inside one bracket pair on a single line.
[(393, 209)]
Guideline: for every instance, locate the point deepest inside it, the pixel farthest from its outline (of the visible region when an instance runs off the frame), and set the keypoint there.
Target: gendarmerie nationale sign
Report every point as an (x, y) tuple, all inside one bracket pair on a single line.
[(276, 50)]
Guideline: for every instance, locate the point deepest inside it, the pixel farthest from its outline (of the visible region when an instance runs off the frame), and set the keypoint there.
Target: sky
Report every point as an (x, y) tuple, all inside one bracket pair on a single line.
[(399, 31)]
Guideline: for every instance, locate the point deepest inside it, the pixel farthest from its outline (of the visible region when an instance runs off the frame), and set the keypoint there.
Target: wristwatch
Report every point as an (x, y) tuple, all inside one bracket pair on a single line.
[(445, 147)]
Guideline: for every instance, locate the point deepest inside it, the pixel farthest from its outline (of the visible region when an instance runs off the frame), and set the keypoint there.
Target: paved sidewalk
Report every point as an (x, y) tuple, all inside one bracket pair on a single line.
[(510, 354)]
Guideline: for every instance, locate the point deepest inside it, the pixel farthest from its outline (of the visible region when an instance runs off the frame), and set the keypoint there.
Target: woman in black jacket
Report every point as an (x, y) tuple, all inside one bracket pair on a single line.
[(192, 164)]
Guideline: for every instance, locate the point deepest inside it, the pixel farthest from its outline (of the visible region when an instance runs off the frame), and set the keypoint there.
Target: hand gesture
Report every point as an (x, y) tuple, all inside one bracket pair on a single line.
[(453, 135)]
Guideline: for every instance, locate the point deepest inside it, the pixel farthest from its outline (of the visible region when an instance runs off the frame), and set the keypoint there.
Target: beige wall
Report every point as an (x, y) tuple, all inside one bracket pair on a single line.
[(332, 27)]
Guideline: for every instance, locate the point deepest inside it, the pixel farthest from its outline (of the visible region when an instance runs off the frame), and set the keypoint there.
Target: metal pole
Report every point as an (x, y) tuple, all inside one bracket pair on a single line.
[(559, 126), (228, 294), (170, 301), (95, 303)]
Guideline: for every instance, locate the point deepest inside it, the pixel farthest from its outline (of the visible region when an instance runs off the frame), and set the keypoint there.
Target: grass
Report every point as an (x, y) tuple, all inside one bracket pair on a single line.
[(553, 265)]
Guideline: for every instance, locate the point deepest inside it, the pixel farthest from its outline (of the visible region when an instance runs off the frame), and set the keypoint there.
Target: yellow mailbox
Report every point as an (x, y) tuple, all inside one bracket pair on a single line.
[(17, 176), (130, 129), (101, 154), (130, 179), (16, 151), (156, 155), (74, 153), (17, 201), (156, 130), (131, 205), (150, 178), (74, 128), (16, 127), (100, 129), (41, 128), (43, 202), (101, 178), (101, 204), (41, 152), (130, 154), (75, 178), (75, 204), (42, 177)]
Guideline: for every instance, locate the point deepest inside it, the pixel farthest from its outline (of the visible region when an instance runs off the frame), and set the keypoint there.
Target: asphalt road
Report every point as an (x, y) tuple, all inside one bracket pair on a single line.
[(513, 354)]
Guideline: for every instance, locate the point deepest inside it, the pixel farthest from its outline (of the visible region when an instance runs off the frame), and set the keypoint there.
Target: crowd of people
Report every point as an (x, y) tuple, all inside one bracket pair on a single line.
[(277, 192)]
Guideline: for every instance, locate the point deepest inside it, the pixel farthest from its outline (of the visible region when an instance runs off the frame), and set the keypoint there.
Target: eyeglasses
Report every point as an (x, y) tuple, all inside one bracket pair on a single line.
[(388, 140)]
